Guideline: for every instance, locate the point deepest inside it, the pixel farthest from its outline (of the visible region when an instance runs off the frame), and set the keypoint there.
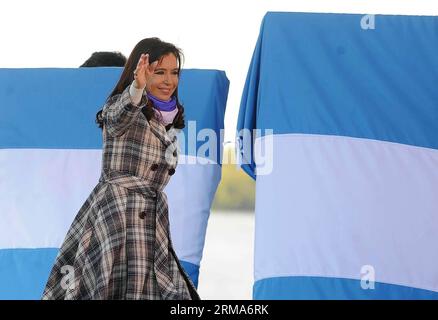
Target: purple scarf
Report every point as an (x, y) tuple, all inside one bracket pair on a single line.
[(165, 110), (163, 105)]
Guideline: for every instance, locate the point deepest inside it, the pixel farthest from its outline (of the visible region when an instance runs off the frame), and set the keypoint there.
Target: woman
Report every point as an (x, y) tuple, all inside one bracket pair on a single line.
[(118, 246)]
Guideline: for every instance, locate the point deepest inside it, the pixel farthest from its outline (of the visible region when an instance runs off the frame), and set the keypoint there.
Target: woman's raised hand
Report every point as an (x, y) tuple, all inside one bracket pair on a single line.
[(144, 71)]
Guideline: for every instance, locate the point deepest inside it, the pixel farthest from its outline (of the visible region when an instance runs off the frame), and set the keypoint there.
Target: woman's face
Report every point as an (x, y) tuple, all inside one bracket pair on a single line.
[(163, 82)]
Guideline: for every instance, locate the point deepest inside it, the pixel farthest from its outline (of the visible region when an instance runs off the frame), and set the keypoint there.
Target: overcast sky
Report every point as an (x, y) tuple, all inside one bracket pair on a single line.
[(213, 34)]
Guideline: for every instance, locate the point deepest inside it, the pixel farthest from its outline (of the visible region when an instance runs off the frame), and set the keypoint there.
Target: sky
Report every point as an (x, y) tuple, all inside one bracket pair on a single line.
[(213, 34)]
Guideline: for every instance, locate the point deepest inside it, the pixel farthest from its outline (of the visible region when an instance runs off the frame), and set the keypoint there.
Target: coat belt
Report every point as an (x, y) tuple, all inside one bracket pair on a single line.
[(162, 242)]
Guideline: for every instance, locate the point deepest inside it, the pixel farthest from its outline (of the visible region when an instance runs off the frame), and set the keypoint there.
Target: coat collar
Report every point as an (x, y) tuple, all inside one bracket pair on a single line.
[(157, 128), (159, 131)]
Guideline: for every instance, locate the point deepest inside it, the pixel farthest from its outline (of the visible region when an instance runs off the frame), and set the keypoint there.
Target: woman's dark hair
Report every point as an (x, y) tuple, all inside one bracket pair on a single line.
[(156, 49)]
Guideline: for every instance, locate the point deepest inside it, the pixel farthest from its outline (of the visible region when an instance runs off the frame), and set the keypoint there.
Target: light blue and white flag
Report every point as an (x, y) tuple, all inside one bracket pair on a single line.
[(50, 160), (345, 157)]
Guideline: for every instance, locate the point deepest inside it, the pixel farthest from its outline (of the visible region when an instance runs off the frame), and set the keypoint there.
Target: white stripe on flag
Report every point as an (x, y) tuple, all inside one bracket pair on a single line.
[(41, 191), (333, 204), (191, 192)]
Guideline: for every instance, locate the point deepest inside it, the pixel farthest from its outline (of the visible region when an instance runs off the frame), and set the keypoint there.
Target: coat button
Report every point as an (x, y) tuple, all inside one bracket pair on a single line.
[(175, 153), (174, 139), (154, 167), (142, 214), (171, 171)]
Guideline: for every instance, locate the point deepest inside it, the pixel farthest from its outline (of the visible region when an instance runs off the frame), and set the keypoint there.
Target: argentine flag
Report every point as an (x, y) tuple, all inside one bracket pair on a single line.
[(50, 160), (343, 109)]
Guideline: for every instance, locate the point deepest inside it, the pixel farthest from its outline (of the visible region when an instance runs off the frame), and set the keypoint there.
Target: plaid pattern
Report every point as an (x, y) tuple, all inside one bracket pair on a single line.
[(119, 245)]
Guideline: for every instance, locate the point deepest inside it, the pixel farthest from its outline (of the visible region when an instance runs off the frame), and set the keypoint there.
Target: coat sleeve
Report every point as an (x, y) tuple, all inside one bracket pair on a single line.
[(119, 113)]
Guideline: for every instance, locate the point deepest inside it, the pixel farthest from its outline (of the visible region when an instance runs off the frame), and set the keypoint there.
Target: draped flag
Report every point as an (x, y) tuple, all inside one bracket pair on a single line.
[(339, 125), (50, 160)]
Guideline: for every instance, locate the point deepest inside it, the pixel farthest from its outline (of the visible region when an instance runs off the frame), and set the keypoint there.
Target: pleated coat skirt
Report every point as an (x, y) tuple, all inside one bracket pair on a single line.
[(119, 245)]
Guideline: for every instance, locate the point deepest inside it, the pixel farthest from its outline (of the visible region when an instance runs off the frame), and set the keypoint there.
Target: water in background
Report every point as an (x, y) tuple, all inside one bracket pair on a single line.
[(227, 265)]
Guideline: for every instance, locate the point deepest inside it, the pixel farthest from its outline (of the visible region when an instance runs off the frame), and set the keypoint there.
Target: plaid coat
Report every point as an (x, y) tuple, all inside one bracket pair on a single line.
[(118, 246)]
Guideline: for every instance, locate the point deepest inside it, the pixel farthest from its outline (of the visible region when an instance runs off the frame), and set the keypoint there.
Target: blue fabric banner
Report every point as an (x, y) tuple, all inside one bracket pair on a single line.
[(50, 160), (347, 111)]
